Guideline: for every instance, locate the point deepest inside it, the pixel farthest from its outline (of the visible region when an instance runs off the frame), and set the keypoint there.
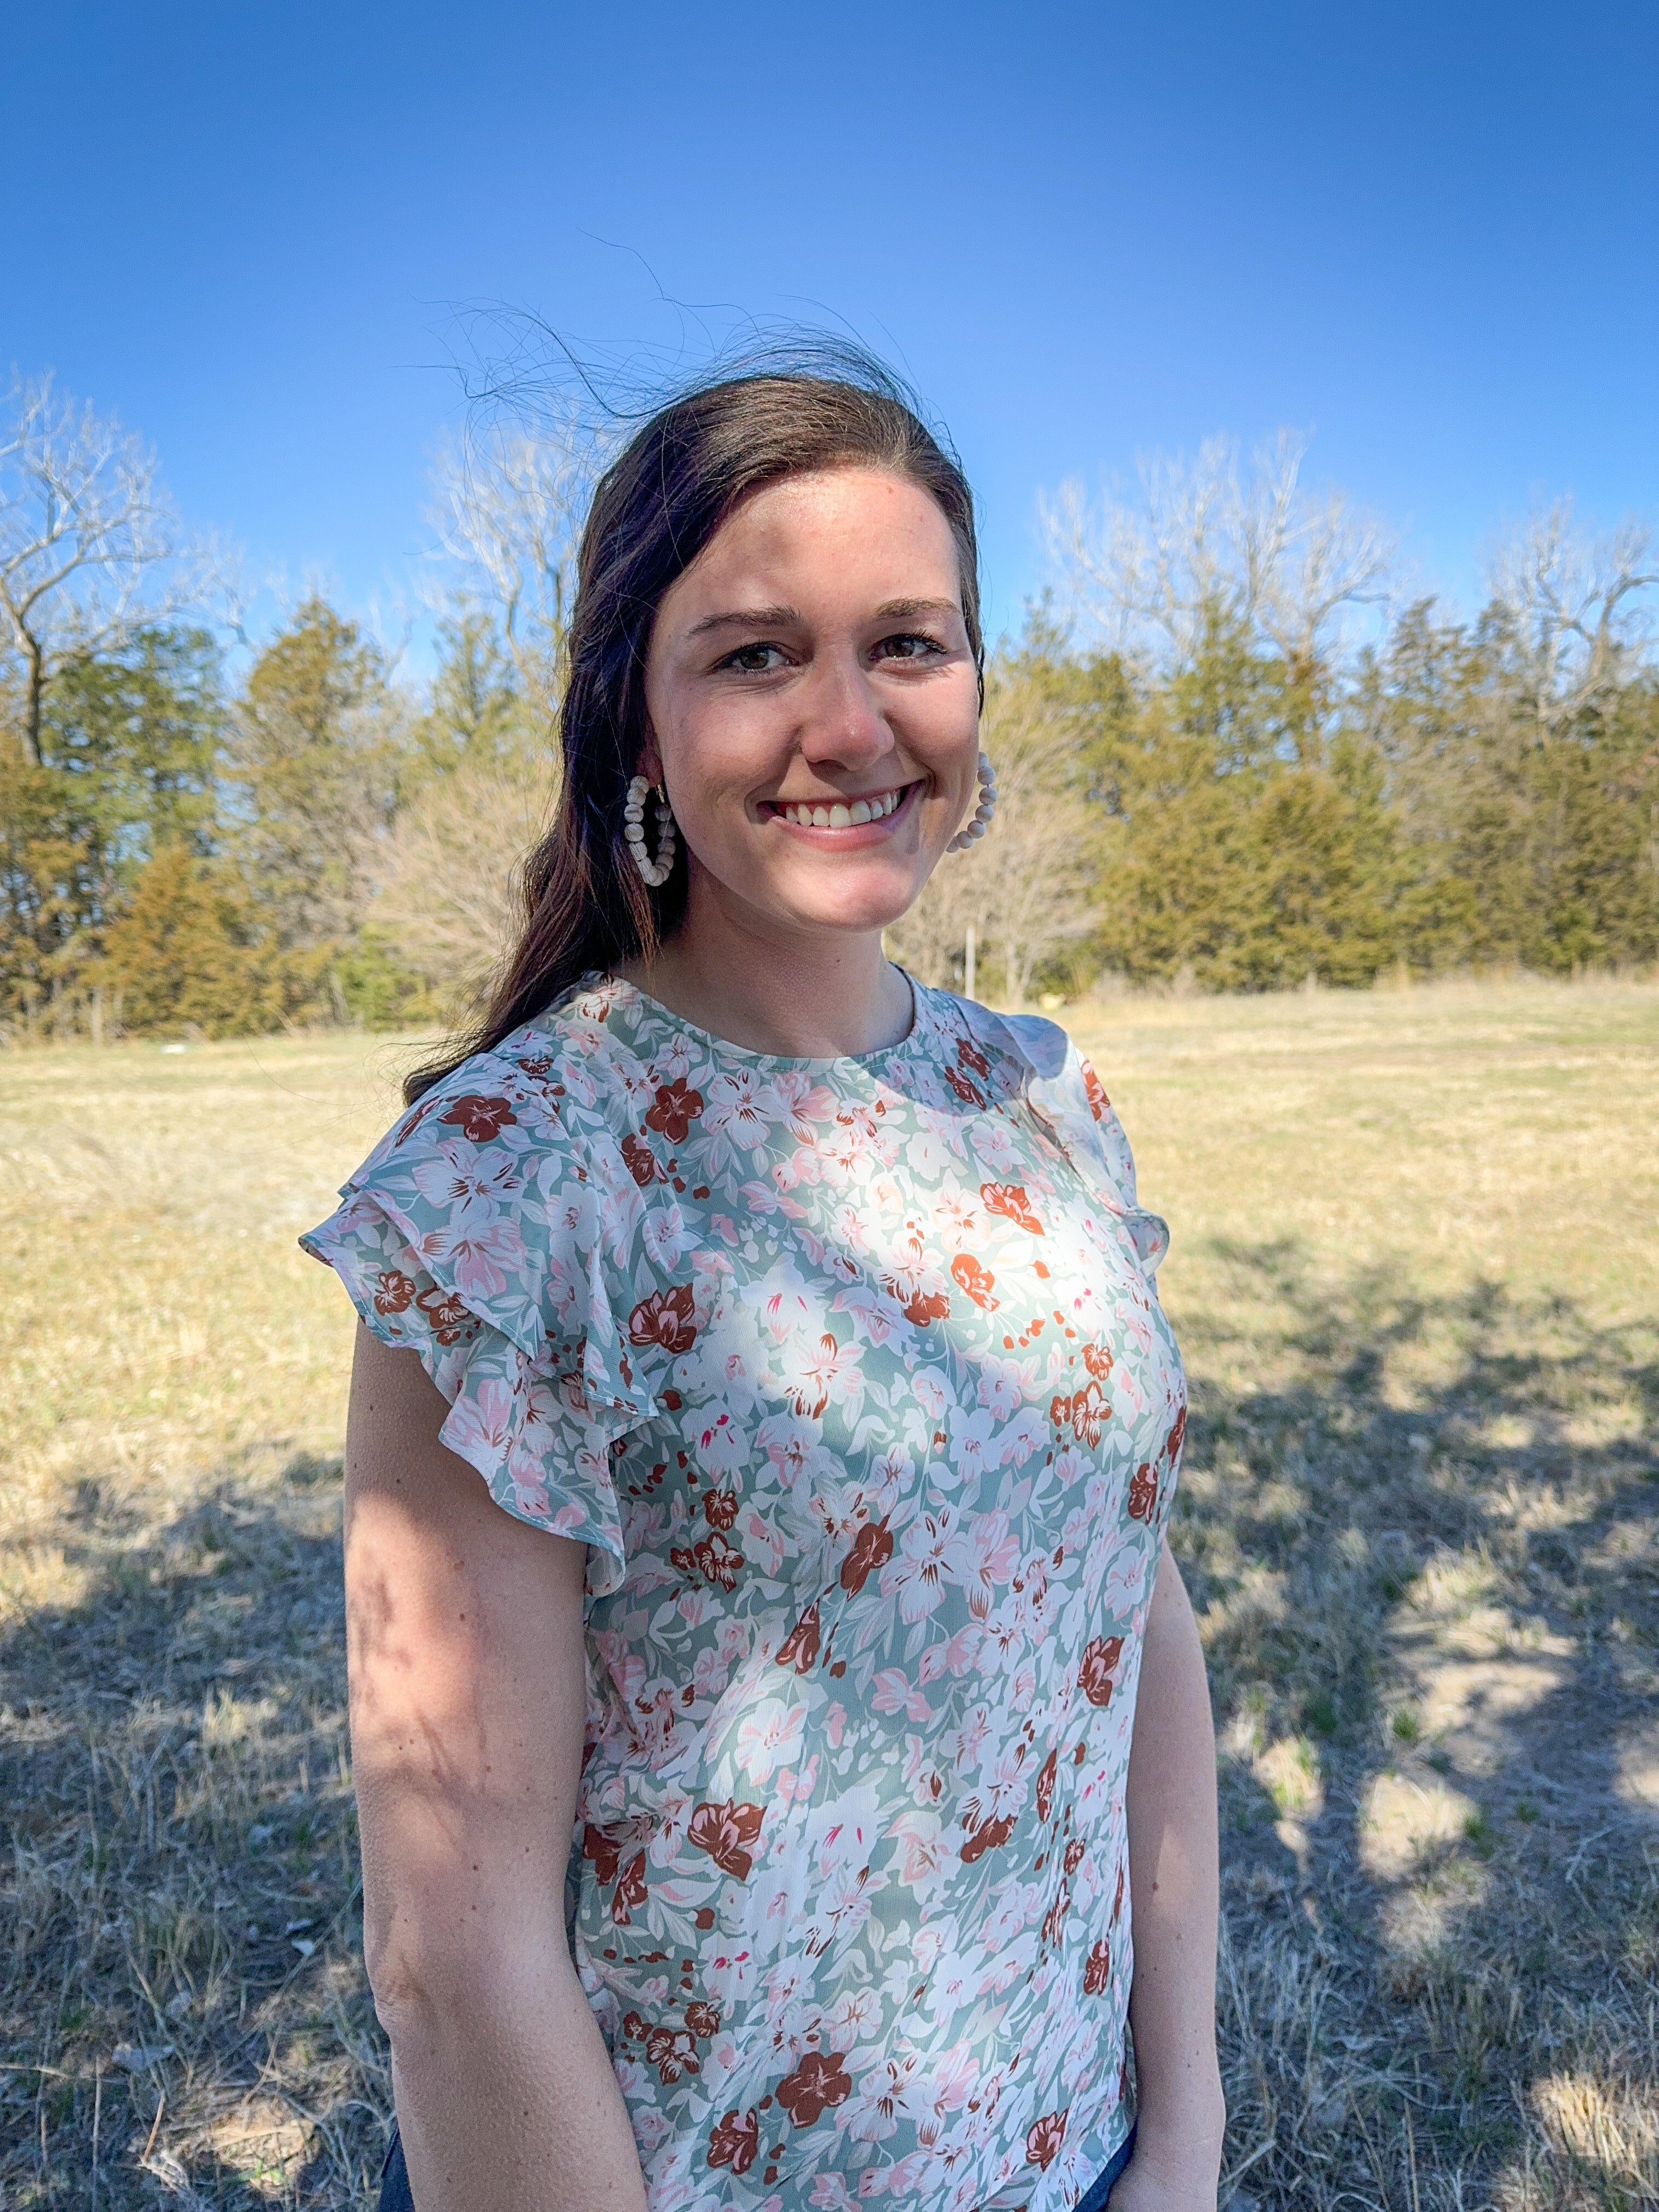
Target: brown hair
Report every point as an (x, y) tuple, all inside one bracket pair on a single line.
[(656, 508)]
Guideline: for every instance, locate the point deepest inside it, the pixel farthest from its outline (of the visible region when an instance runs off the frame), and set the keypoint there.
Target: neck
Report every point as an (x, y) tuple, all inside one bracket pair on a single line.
[(803, 995)]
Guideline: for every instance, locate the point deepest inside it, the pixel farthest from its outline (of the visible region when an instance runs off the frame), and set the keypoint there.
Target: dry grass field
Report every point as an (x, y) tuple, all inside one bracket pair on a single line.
[(1416, 1271)]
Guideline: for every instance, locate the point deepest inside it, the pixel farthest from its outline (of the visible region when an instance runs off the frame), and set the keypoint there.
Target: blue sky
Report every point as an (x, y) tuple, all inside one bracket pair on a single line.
[(1429, 234)]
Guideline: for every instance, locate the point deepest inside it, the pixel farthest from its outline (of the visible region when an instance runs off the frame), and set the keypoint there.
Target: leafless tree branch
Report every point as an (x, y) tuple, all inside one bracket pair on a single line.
[(90, 547)]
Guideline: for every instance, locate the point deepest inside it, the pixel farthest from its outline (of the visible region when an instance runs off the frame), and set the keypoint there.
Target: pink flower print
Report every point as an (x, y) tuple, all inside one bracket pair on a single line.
[(992, 1556), (933, 1554), (481, 1423), (921, 1839), (893, 1691), (480, 1255)]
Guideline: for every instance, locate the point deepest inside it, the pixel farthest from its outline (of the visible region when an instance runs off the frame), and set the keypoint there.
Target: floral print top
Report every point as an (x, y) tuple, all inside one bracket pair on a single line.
[(851, 1376)]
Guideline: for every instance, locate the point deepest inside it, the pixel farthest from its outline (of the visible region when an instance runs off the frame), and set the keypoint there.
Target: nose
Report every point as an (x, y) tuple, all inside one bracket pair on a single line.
[(843, 725)]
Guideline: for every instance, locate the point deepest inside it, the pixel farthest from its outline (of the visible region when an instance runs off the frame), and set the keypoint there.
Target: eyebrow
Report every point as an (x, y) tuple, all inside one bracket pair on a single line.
[(781, 617)]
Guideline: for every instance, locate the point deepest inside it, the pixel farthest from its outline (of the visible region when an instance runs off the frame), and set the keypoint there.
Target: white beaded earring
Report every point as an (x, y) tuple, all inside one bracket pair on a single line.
[(982, 813), (656, 873)]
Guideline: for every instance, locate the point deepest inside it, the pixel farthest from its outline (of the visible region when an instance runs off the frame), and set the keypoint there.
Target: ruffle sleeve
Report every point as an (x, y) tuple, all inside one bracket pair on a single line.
[(1070, 1097), (472, 1236)]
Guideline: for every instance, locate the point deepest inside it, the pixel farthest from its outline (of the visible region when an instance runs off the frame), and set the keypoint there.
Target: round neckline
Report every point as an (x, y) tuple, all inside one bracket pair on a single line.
[(655, 1009)]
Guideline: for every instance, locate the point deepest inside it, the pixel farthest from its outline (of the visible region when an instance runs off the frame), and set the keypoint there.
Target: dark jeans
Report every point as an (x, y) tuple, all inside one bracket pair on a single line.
[(395, 2196)]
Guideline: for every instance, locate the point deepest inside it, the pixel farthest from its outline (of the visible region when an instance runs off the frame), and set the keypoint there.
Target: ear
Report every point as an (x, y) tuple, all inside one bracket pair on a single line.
[(649, 764)]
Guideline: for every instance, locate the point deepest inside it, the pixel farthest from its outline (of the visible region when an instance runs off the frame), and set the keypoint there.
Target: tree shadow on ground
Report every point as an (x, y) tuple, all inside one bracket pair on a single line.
[(1420, 1533), (180, 1876)]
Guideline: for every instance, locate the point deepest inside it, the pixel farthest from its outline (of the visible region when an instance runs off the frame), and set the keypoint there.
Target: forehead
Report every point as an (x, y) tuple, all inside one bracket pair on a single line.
[(855, 532)]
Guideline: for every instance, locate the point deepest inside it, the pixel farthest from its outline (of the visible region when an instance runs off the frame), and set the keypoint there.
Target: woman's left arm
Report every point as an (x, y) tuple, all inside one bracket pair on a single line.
[(1175, 1890)]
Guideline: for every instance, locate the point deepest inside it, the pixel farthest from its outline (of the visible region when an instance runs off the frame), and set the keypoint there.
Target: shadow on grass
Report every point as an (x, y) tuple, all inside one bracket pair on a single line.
[(180, 1879), (1420, 1535)]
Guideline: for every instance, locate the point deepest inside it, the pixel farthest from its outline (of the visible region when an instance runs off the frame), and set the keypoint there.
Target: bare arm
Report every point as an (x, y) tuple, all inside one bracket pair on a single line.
[(465, 1655), (1174, 1895)]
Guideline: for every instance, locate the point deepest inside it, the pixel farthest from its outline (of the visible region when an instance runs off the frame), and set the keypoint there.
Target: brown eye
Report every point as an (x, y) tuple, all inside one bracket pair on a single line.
[(755, 660), (911, 644)]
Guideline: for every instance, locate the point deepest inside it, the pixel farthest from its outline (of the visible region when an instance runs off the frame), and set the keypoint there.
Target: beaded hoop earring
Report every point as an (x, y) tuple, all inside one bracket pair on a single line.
[(987, 807), (656, 873)]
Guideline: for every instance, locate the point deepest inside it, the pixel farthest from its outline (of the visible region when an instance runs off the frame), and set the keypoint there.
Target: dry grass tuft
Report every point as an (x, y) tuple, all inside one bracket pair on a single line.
[(1416, 1272)]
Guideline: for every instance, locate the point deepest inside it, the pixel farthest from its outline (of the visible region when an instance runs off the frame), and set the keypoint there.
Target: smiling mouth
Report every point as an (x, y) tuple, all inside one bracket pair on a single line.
[(840, 813)]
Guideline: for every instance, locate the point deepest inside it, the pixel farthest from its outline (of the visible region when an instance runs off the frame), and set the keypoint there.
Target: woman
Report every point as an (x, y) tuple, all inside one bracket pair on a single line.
[(744, 1764)]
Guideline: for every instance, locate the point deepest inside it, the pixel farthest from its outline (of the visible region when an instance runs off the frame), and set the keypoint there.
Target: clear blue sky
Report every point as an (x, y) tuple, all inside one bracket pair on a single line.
[(1429, 233)]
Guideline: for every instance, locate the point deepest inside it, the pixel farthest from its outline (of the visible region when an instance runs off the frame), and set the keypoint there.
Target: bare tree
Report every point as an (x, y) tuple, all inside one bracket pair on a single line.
[(1208, 540), (1568, 601), (89, 545), (450, 870), (507, 511), (1027, 887)]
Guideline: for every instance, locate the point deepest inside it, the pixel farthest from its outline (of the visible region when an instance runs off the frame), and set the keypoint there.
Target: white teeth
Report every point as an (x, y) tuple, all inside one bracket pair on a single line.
[(840, 815)]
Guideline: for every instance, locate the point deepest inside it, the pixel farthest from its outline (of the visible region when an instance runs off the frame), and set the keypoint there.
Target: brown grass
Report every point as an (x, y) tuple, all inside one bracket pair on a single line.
[(1416, 1271)]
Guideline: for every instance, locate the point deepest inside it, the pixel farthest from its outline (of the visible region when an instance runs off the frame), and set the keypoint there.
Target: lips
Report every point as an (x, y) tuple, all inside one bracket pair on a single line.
[(840, 813)]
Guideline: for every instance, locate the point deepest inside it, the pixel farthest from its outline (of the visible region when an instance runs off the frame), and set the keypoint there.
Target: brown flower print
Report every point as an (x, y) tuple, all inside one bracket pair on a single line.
[(478, 1120), (1099, 1104), (821, 2080), (1097, 1971), (1143, 1494), (872, 1548), (799, 1648), (1090, 1414), (1045, 1786), (726, 1833), (977, 1281), (641, 1161), (735, 2142), (703, 2019), (604, 1851), (1097, 1668), (629, 1891), (677, 1107), (1009, 1200), (665, 1318), (720, 1508), (449, 1317), (1044, 2138), (394, 1292), (970, 1056), (965, 1088), (1174, 1441), (672, 2052), (1097, 1358)]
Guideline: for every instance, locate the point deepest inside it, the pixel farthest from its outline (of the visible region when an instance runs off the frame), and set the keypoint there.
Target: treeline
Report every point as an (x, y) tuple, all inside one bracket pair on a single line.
[(1206, 781)]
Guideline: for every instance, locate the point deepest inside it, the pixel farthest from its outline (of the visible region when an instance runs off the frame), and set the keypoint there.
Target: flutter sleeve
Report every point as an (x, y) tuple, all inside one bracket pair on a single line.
[(1072, 1098), (472, 1236)]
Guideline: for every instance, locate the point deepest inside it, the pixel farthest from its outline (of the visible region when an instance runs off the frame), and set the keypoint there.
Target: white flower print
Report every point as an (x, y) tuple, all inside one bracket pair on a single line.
[(933, 1554), (770, 1737), (743, 1109)]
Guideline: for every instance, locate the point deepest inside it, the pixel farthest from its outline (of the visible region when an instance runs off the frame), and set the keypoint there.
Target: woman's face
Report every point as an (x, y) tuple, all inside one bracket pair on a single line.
[(814, 705)]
